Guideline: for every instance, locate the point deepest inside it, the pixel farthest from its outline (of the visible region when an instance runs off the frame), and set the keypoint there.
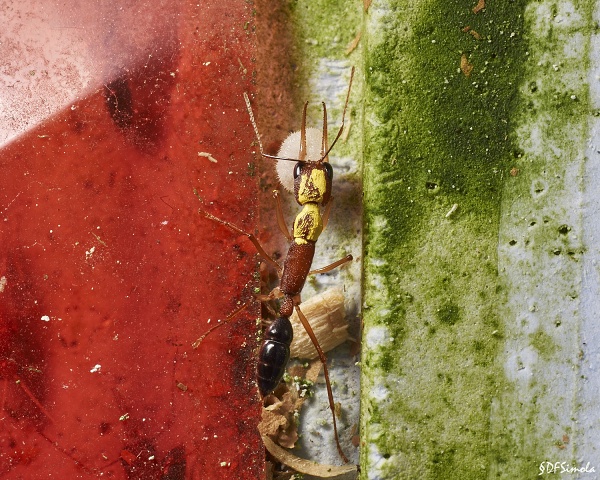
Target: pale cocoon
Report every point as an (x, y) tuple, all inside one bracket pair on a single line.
[(327, 317)]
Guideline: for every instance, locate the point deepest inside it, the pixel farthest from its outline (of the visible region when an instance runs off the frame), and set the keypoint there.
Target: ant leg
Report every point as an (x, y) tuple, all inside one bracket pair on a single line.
[(271, 311), (331, 266), (29, 394), (229, 317), (252, 238), (280, 217), (323, 359), (275, 293), (326, 212), (36, 401)]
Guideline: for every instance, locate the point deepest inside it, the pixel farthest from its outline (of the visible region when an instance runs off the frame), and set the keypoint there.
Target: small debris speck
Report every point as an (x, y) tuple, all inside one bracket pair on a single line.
[(452, 210), (182, 387), (207, 155)]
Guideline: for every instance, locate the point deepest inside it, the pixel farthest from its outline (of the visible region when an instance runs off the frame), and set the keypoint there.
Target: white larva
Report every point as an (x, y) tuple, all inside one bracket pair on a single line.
[(290, 148)]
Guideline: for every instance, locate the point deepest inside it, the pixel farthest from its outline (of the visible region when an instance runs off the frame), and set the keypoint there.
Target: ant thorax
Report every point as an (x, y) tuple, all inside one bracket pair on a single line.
[(290, 148), (308, 224)]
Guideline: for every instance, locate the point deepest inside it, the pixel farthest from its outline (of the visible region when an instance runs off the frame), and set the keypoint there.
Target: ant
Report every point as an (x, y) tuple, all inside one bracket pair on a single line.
[(312, 190)]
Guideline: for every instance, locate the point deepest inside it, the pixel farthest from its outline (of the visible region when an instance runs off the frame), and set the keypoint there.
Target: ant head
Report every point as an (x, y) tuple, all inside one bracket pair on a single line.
[(312, 174), (312, 182)]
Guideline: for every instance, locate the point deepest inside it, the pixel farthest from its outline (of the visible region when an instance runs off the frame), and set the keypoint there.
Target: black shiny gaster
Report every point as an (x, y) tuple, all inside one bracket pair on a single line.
[(274, 355)]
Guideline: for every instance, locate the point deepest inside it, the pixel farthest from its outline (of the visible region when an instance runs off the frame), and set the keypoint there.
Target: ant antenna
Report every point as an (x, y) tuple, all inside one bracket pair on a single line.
[(249, 107), (302, 154), (324, 142), (260, 146), (303, 130), (343, 117)]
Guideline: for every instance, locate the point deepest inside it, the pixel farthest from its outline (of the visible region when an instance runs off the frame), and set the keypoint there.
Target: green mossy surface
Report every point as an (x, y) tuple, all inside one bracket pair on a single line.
[(435, 138), (442, 148)]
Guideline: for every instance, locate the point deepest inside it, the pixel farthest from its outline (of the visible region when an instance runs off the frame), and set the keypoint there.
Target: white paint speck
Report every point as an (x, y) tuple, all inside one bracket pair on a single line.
[(379, 393), (377, 337)]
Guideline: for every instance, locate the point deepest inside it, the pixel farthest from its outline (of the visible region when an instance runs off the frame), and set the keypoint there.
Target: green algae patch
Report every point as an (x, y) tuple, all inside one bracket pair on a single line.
[(441, 88), (543, 343), (327, 27), (323, 32)]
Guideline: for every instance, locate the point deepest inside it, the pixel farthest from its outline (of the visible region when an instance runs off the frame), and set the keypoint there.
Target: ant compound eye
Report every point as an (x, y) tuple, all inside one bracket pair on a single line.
[(328, 170), (297, 170)]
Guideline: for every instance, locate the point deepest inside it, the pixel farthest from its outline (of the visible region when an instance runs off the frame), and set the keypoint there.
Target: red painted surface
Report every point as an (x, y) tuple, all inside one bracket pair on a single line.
[(110, 274)]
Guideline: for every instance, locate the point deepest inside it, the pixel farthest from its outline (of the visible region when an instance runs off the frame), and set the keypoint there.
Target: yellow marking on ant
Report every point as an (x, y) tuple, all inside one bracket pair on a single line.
[(312, 187), (308, 224)]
